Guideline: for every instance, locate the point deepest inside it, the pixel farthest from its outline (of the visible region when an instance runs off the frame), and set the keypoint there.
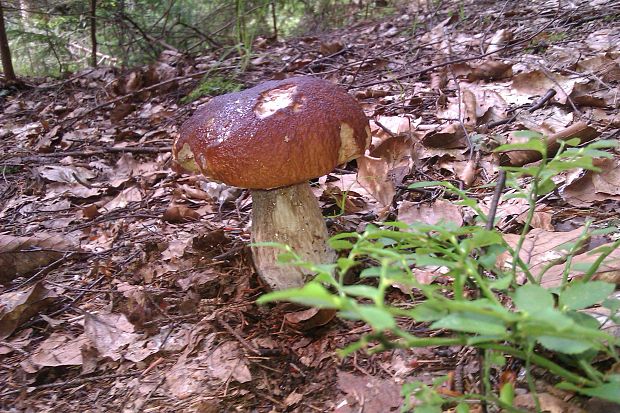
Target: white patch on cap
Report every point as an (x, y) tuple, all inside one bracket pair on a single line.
[(273, 100), (348, 147)]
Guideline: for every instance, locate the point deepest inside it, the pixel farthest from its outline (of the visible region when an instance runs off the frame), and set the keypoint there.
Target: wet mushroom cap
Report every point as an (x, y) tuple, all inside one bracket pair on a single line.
[(276, 134)]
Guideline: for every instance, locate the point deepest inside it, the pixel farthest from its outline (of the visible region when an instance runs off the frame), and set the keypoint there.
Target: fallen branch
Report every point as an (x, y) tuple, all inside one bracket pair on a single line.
[(44, 157)]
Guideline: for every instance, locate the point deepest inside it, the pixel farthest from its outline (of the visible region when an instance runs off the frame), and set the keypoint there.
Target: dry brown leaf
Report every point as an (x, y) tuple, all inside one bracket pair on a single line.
[(109, 333), (548, 403), (604, 40), (18, 306), (605, 66), (450, 136), (609, 271), (310, 318), (499, 39), (176, 214), (205, 364), (439, 79), (373, 176), (595, 186), (17, 342), (537, 83), (21, 255), (59, 349), (439, 212), (166, 340), (366, 393), (540, 248), (131, 194), (487, 70)]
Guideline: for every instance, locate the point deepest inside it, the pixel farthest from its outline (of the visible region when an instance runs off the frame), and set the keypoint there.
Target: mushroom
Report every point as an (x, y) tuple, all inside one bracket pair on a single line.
[(272, 139)]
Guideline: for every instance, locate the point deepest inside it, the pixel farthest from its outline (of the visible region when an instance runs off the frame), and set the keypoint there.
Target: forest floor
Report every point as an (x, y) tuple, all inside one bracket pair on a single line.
[(126, 287)]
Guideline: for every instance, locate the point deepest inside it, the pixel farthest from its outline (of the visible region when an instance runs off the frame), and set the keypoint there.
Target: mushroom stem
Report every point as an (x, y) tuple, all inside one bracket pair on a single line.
[(292, 216)]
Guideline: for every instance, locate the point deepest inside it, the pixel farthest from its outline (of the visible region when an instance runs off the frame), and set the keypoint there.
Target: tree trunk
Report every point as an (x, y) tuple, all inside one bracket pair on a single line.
[(5, 52), (93, 32)]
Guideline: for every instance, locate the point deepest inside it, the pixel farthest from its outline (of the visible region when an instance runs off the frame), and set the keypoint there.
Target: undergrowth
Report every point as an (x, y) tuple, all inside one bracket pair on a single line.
[(484, 306), (212, 86)]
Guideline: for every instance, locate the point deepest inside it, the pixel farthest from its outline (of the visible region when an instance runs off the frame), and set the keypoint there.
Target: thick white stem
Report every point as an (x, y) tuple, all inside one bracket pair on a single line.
[(291, 216)]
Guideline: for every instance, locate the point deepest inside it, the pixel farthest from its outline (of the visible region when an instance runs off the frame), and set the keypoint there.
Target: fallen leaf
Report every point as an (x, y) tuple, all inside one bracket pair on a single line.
[(608, 271), (17, 342), (131, 194), (439, 212), (59, 349), (176, 214), (21, 255), (366, 393), (206, 364), (18, 306), (537, 82), (595, 186), (373, 176), (310, 318), (548, 403), (66, 174), (171, 341), (109, 333), (540, 248)]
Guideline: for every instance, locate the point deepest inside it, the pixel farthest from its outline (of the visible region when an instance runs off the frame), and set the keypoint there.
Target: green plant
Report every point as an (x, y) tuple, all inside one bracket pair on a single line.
[(212, 86), (484, 307)]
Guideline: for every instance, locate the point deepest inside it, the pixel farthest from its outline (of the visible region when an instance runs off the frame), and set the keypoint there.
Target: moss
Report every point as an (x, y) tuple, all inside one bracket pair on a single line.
[(212, 86)]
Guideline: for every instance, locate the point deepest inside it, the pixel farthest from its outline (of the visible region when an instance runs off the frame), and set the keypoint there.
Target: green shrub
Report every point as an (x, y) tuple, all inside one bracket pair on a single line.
[(535, 324)]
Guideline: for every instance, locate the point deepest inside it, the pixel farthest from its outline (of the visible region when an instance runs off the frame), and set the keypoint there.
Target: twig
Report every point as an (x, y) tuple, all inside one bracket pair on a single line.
[(240, 339), (43, 157), (73, 382), (499, 188)]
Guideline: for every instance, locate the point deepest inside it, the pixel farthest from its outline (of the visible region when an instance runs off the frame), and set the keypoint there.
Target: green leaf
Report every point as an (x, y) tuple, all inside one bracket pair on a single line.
[(507, 393), (564, 345), (552, 318), (312, 294), (603, 144), (607, 391), (462, 408), (532, 145), (579, 295), (471, 323), (613, 304), (532, 298), (426, 311), (485, 238), (501, 284), (528, 134), (377, 317), (361, 291), (340, 244)]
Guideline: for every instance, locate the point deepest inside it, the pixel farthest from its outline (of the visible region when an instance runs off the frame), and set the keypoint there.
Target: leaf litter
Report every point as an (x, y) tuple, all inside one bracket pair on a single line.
[(131, 286)]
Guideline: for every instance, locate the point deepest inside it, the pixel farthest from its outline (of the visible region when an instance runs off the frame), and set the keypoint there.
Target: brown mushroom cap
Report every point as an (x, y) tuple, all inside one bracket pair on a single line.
[(276, 134)]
